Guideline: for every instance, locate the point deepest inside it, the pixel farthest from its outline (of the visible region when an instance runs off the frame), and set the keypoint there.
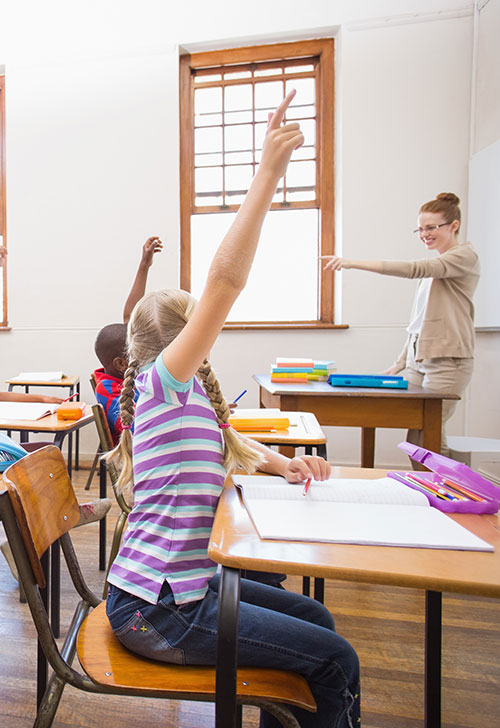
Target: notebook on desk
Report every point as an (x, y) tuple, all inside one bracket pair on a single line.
[(39, 377), (10, 411), (367, 380), (380, 512)]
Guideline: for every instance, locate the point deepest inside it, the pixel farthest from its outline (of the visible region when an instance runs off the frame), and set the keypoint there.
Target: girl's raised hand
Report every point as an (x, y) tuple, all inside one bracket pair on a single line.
[(280, 141)]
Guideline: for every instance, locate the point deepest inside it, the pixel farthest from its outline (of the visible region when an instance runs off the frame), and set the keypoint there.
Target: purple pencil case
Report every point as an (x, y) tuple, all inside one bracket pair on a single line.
[(444, 468)]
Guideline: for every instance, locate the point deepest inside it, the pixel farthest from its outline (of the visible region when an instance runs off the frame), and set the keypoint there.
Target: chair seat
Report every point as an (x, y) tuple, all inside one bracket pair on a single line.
[(107, 662)]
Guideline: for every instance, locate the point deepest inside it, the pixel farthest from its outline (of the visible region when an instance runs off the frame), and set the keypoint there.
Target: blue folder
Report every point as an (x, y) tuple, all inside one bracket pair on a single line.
[(368, 380)]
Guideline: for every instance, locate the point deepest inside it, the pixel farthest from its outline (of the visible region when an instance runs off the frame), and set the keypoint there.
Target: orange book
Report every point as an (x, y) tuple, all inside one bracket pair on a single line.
[(289, 380)]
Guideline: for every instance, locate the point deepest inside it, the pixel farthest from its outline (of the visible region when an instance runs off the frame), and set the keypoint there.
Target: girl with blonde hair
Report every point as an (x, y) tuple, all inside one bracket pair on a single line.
[(162, 601), (439, 349)]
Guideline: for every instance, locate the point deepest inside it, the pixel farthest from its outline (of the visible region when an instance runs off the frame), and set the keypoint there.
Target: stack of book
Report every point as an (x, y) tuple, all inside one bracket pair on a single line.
[(292, 370)]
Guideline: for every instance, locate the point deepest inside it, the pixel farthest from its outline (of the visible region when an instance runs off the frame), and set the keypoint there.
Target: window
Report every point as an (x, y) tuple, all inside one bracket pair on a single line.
[(3, 239), (225, 97)]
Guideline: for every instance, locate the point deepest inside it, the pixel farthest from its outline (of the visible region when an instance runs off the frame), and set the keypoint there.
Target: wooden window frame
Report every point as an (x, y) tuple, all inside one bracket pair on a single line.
[(3, 208), (323, 50)]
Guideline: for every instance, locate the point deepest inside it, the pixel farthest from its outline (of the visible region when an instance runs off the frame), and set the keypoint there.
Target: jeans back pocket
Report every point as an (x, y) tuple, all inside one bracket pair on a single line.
[(140, 636)]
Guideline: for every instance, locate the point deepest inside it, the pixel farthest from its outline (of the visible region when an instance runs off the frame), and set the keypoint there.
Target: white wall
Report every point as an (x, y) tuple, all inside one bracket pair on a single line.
[(92, 155)]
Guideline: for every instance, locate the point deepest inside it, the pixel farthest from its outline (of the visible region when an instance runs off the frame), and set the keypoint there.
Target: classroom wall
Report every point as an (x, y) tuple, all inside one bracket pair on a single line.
[(484, 395), (92, 161)]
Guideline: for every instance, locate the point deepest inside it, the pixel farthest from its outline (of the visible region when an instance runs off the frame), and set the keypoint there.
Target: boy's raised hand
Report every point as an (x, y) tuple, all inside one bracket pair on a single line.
[(280, 141), (151, 246)]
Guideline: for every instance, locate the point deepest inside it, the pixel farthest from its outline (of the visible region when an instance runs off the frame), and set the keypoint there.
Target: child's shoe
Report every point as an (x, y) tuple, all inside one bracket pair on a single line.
[(94, 510), (9, 558)]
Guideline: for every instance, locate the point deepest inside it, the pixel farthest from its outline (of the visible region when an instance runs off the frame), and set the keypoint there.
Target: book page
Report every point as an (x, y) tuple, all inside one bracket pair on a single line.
[(360, 523), (25, 410), (39, 376), (337, 490)]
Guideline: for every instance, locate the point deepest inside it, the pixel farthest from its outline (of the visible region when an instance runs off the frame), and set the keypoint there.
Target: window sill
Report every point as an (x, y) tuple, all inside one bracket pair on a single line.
[(5, 328), (284, 325)]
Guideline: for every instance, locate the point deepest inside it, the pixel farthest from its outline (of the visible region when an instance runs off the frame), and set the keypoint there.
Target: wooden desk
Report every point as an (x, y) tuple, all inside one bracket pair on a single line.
[(304, 431), (73, 385), (412, 408), (59, 428), (236, 545)]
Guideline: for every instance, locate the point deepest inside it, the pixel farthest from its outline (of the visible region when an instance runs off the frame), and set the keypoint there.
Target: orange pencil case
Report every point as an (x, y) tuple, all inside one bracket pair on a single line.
[(70, 410)]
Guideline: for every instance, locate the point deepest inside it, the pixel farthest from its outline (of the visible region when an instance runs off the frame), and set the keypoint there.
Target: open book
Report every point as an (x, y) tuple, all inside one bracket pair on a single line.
[(39, 376), (380, 512), (25, 410)]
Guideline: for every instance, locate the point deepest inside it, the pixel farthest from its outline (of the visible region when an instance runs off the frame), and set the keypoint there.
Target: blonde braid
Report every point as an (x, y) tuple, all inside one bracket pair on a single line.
[(237, 453), (122, 453)]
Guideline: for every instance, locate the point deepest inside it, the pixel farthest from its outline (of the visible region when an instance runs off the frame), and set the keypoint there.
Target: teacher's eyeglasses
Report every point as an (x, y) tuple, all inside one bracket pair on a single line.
[(430, 228)]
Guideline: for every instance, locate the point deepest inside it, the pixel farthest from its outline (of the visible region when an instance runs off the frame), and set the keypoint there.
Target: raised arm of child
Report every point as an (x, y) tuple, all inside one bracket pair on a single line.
[(151, 246), (232, 261)]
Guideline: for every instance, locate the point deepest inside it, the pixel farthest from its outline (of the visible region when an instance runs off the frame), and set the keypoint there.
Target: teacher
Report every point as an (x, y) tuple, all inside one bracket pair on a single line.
[(439, 350)]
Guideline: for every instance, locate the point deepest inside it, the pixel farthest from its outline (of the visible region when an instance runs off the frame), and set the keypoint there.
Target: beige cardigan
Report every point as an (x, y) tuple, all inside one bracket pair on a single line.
[(448, 325)]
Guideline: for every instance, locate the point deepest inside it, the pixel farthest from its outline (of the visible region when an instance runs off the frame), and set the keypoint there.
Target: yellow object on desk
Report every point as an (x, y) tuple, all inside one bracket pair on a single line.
[(71, 410), (259, 420)]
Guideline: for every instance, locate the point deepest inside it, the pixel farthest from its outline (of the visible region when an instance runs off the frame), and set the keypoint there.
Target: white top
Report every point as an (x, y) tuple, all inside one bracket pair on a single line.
[(419, 306)]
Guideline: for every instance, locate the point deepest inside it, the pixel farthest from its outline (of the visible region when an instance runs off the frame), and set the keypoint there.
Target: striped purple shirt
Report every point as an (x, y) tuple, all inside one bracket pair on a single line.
[(178, 478)]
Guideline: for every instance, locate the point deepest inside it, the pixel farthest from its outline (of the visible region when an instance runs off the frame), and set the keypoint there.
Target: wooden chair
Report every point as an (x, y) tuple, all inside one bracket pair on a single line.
[(105, 445), (38, 507), (95, 463)]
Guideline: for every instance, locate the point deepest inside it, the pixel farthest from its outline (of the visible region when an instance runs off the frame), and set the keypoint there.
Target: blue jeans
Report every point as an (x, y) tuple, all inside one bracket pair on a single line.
[(277, 629)]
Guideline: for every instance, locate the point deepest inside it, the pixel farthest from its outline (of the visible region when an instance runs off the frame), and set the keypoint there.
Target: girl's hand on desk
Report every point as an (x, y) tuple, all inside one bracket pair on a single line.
[(307, 466), (50, 400)]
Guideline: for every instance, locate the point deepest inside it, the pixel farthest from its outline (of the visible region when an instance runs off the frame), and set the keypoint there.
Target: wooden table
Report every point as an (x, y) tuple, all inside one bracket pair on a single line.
[(304, 431), (412, 408), (71, 382), (59, 429), (236, 545)]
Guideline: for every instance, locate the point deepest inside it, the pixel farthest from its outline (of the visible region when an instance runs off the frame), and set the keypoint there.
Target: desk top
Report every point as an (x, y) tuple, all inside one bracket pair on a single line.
[(490, 470), (48, 424), (235, 542), (66, 381), (318, 389), (304, 430)]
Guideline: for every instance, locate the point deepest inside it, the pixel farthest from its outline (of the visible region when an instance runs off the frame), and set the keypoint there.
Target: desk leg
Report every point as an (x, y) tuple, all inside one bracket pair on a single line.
[(77, 436), (433, 415), (70, 454), (433, 623), (367, 447), (226, 709), (102, 522)]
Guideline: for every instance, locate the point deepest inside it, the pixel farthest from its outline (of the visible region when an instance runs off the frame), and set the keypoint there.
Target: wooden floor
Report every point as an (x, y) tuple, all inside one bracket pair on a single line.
[(385, 625)]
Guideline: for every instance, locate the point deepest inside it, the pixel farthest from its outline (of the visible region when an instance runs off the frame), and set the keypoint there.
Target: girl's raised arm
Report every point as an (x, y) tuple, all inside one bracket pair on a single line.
[(233, 259)]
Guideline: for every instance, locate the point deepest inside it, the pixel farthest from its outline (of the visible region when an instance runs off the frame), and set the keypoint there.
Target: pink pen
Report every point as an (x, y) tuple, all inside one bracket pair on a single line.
[(306, 486)]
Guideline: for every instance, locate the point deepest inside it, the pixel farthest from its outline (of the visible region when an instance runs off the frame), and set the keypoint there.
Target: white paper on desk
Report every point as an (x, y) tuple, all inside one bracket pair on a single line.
[(39, 376), (360, 523), (365, 512), (10, 411)]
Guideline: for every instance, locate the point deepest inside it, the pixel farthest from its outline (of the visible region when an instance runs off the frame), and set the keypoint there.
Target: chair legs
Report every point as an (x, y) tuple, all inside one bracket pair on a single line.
[(115, 545), (93, 468)]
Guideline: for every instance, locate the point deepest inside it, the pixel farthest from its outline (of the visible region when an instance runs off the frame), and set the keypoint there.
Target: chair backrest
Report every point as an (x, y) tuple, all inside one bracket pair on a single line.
[(106, 443), (44, 502), (93, 382)]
